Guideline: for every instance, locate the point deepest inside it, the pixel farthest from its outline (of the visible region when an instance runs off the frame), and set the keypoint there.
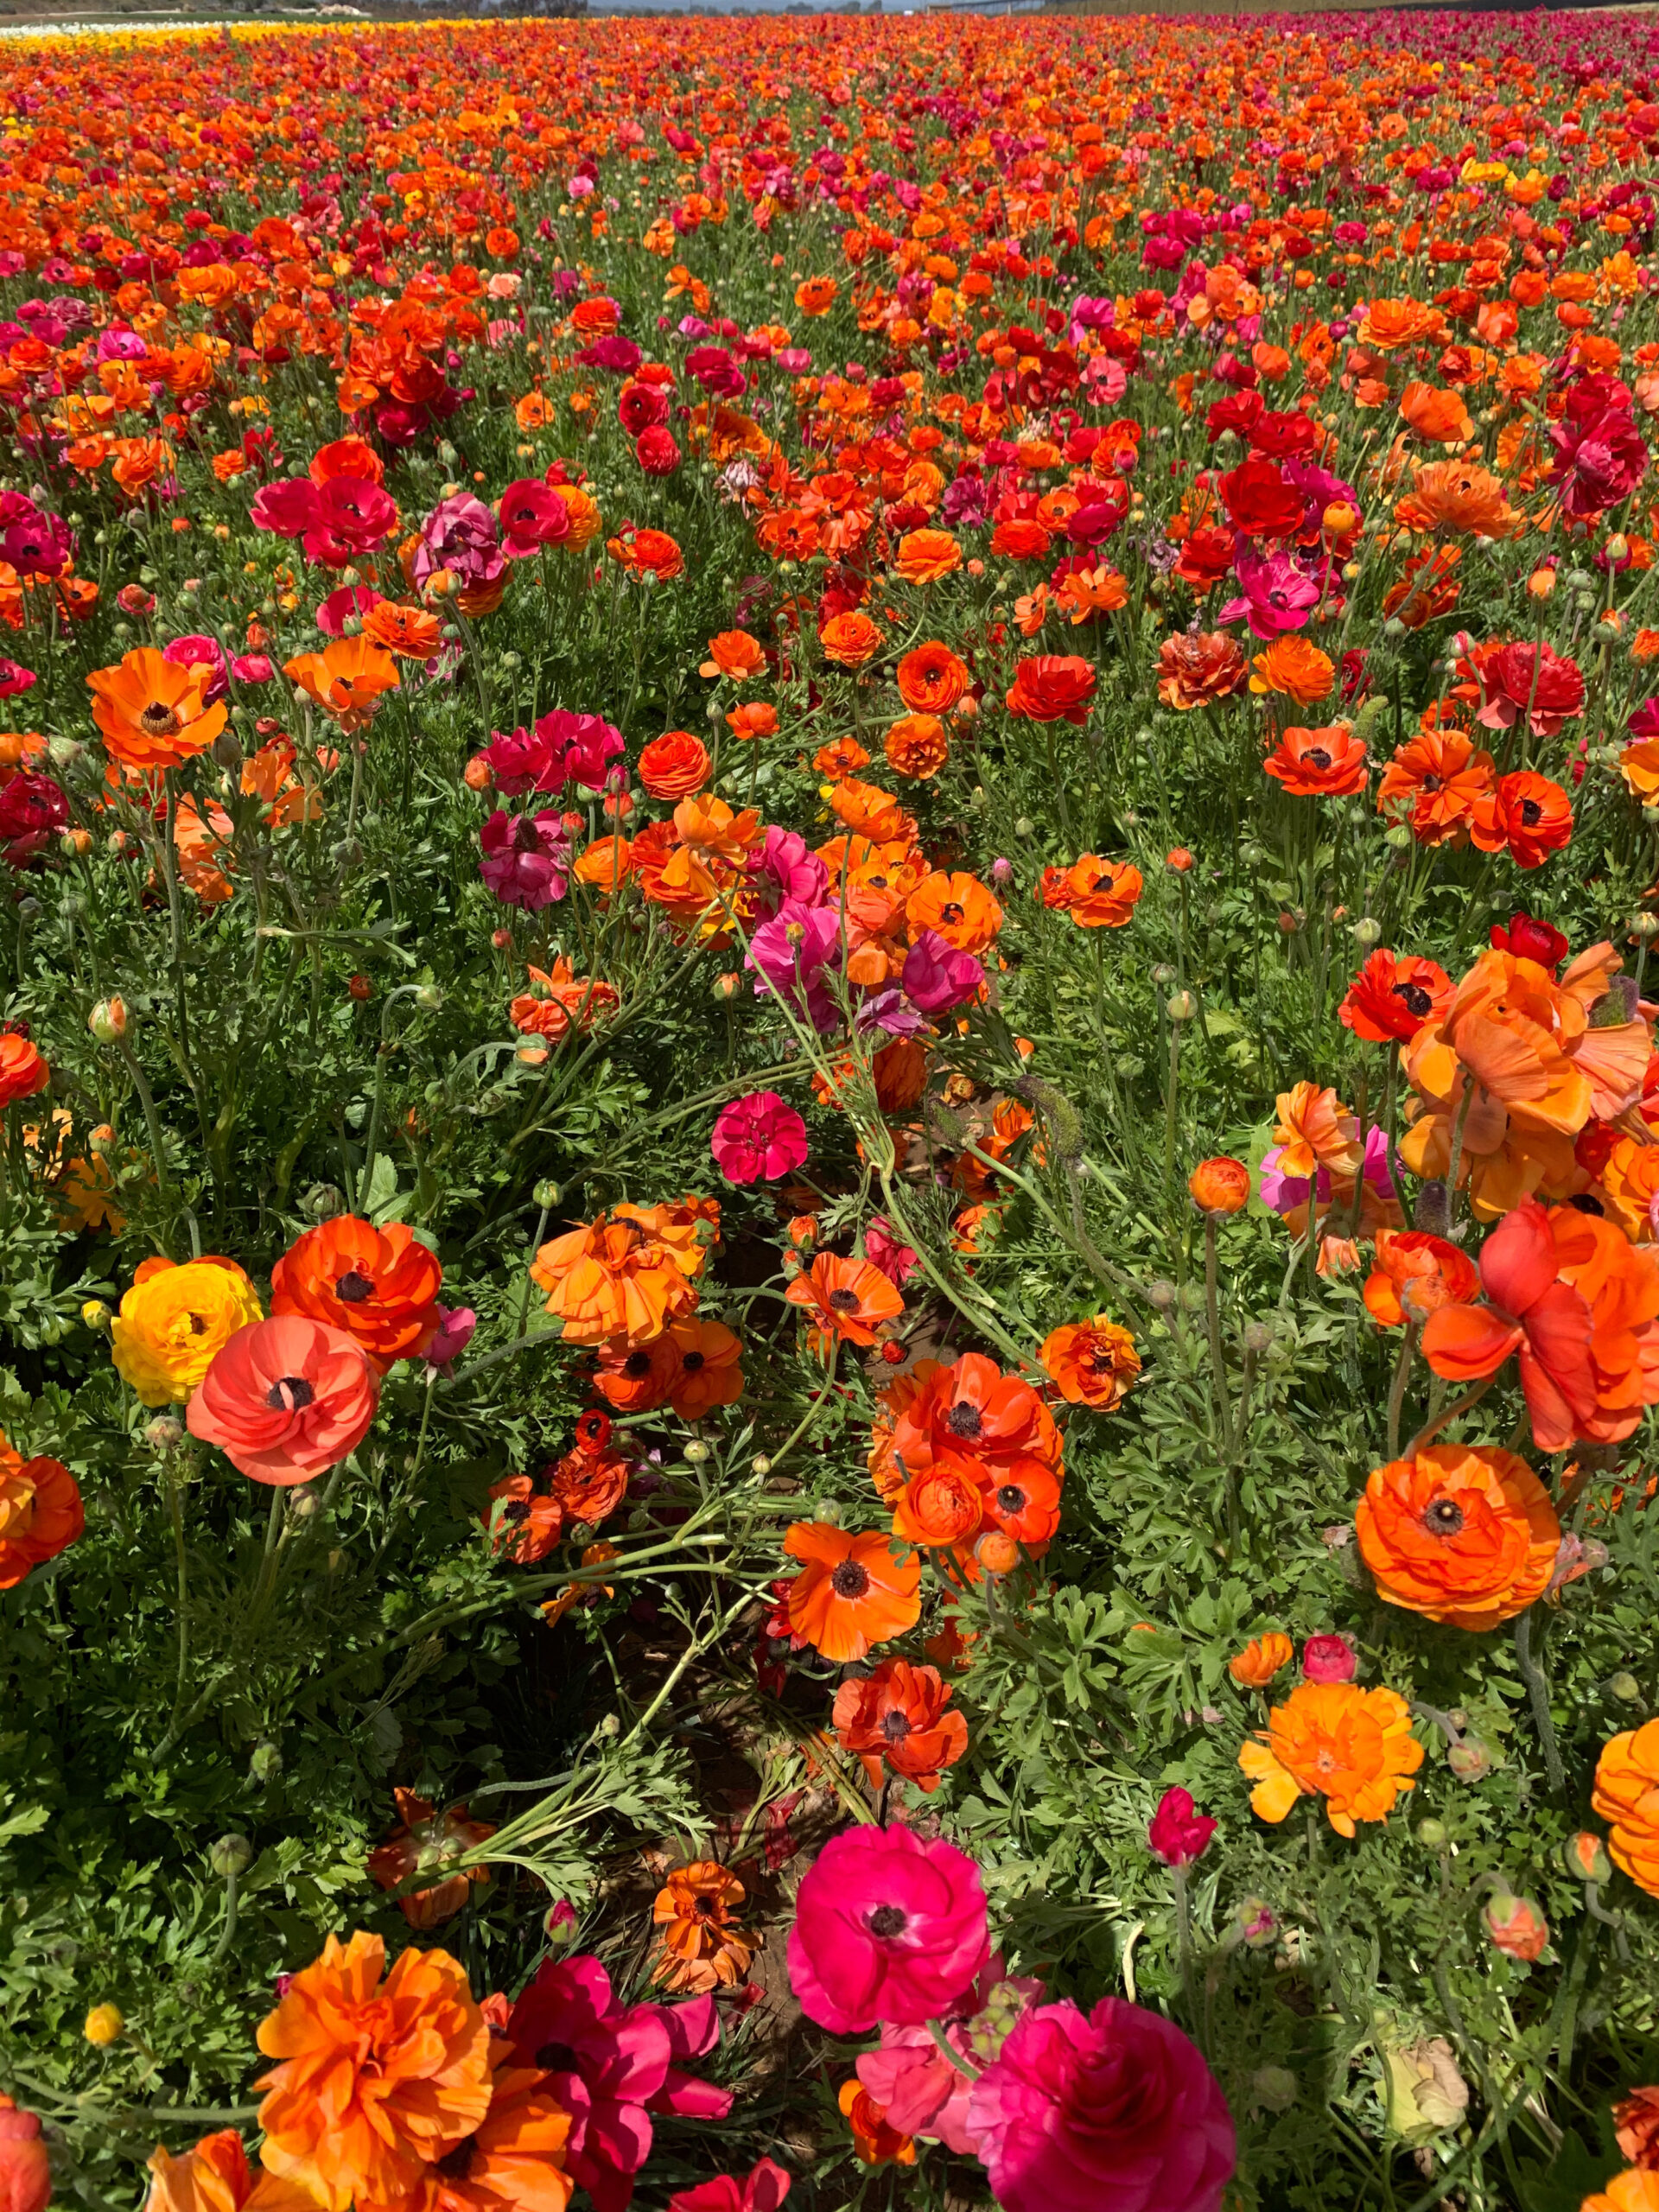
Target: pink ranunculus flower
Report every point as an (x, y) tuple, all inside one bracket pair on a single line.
[(936, 976), (1115, 2111), (920, 2089), (1178, 1834), (526, 858), (1329, 1658), (882, 1250), (887, 1927), (757, 1138), (455, 1327), (199, 652), (762, 2190)]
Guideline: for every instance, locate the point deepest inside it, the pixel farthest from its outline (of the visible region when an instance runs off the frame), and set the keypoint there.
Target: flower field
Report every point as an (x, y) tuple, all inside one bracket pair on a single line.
[(830, 1193)]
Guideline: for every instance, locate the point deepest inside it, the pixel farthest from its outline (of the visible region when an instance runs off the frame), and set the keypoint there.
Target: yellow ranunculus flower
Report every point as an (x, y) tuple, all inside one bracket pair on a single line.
[(174, 1320)]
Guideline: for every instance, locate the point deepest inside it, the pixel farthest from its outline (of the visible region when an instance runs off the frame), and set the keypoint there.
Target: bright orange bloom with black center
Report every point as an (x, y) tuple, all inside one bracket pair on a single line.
[(848, 1298), (379, 1285), (1416, 1274), (1097, 895), (380, 2075), (1436, 781), (703, 1948), (525, 1524), (346, 679), (1464, 1535), (1390, 998), (896, 1715), (1351, 1746), (709, 1373), (851, 1593), (428, 1841), (958, 907), (970, 1409), (931, 679), (150, 711), (1092, 1362), (1328, 762)]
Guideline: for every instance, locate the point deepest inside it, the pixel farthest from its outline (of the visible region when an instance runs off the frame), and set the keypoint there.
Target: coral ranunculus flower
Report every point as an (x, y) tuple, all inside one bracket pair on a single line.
[(215, 2176), (850, 1298), (1220, 1185), (674, 765), (1099, 894), (379, 1285), (151, 711), (1200, 670), (1092, 1362), (1263, 1657), (174, 1322), (703, 1949), (1351, 1746), (1391, 998), (1313, 763), (851, 1592), (40, 1513), (1463, 1534), (931, 680), (888, 1927), (1291, 669), (1459, 499), (23, 1073), (897, 1713), (611, 1278), (378, 2079), (1626, 1795), (1416, 1272), (346, 679), (428, 1841), (1315, 1130), (286, 1399), (1052, 687)]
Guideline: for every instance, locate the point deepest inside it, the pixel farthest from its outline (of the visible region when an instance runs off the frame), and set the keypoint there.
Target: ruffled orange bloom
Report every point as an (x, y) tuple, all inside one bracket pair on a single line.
[(150, 711), (1052, 687), (1437, 780), (610, 1278), (1388, 325), (702, 1948), (1351, 1746), (376, 2079), (1390, 998), (1315, 1130), (1292, 669), (40, 1513), (1199, 671), (215, 2176), (1459, 498), (897, 1714), (942, 1507), (970, 1409), (869, 812), (755, 720), (557, 998), (1091, 1363), (708, 1374), (379, 1285), (645, 553), (849, 1298), (1463, 1534), (926, 556), (1636, 2189), (1263, 1657), (850, 640), (1630, 1184), (1219, 1185), (23, 1072), (1626, 1796), (1311, 763), (346, 679), (931, 679), (408, 632), (851, 1592), (1096, 893), (525, 1524), (1437, 416), (958, 907), (674, 765), (916, 745), (733, 654), (512, 2162), (1415, 1275), (637, 1378), (426, 1841)]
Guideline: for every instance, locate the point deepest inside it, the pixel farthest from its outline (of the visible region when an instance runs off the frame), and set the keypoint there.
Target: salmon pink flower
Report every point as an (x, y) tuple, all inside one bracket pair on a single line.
[(1531, 1311), (887, 1927), (286, 1399), (757, 1138)]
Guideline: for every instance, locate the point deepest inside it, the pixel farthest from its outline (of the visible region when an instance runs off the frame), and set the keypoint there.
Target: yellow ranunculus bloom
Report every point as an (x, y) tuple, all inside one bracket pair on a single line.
[(174, 1320)]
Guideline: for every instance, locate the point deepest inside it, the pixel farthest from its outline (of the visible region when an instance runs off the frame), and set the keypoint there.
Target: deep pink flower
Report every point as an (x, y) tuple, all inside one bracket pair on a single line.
[(532, 515), (936, 976), (612, 2066), (558, 748), (762, 2190), (455, 1327), (656, 450), (526, 858), (1596, 463), (1645, 722), (340, 606), (252, 668), (1178, 1834), (758, 1139), (459, 535), (33, 810), (289, 507), (1276, 595), (1116, 2112), (14, 677), (882, 1250), (887, 1927), (353, 516), (1329, 1658), (200, 652)]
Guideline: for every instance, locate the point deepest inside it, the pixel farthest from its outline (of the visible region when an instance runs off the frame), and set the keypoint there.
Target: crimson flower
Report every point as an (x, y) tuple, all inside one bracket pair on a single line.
[(1178, 1834)]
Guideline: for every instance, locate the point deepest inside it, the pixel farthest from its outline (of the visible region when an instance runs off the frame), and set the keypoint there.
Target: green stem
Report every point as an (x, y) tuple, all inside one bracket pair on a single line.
[(1538, 1691)]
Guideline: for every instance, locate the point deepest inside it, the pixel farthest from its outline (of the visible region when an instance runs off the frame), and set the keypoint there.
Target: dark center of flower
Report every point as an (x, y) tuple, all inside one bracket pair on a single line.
[(1531, 813), (895, 1727), (1444, 1517), (556, 2058), (517, 1509), (197, 1326), (1011, 1498), (950, 912), (702, 1907), (1432, 782), (1317, 755), (1417, 1000), (693, 1361), (1587, 1203), (850, 1579), (964, 1419), (352, 1287), (888, 1920), (844, 1302), (1101, 883), (456, 2164), (524, 834), (159, 721), (290, 1395), (636, 1365)]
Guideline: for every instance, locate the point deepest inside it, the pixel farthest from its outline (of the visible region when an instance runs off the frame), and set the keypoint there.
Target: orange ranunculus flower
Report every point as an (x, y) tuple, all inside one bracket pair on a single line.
[(709, 1373), (851, 1593), (646, 552), (150, 711), (970, 1409), (605, 866), (1351, 1746), (557, 998), (346, 679), (1092, 1362), (524, 1523), (897, 1714), (512, 2161), (1626, 1796), (816, 295), (379, 1285), (1315, 1130), (931, 680), (1417, 1273), (1463, 1534), (1263, 1657), (423, 1842), (286, 1399), (1052, 687), (942, 1504), (215, 2176), (926, 556), (702, 1948), (1390, 998), (1636, 2189), (1220, 1185), (1097, 894), (917, 746), (1311, 763), (1437, 780), (376, 2079), (849, 1298), (1437, 416), (736, 654), (40, 1513), (674, 765), (869, 812), (711, 827), (1629, 1183), (1461, 499), (1388, 325), (408, 632), (1639, 765), (23, 1072), (843, 758), (611, 1277), (850, 640), (637, 1378), (958, 907), (875, 2142), (1199, 671), (758, 719), (1291, 669)]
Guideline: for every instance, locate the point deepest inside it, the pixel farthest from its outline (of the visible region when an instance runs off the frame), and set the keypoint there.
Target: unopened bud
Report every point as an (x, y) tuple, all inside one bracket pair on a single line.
[(266, 1763), (1182, 1007), (1432, 1835), (164, 1433), (108, 1020), (1625, 1688), (1584, 1857), (1366, 932), (104, 2025), (547, 1195), (1469, 1759), (232, 1854)]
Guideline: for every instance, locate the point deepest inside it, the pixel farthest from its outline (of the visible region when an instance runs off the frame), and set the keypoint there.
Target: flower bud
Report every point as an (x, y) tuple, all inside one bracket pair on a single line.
[(696, 1452), (1584, 1857), (108, 1020), (547, 1195), (1433, 1834), (1469, 1759), (1515, 1925), (228, 752), (1275, 2087), (104, 2025), (1540, 584), (1625, 1688), (322, 1202), (1219, 1185), (164, 1433), (233, 1854), (266, 1763), (95, 1314), (1366, 932), (1182, 1007), (760, 1465)]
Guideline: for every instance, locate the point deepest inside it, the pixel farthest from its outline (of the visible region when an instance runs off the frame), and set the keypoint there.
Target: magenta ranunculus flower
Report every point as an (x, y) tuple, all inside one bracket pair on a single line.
[(1113, 2112), (763, 2189), (936, 976), (1329, 1658), (757, 1138), (1178, 1834), (887, 1927), (526, 858)]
